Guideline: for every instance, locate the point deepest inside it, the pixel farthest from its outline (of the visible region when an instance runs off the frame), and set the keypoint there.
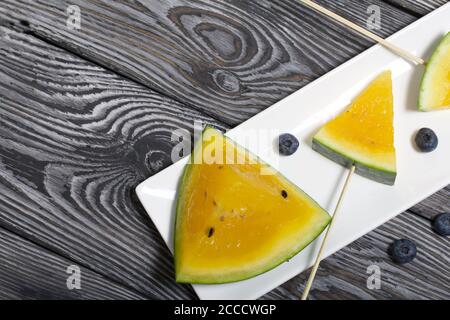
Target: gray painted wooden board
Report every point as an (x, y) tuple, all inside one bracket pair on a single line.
[(344, 274), (419, 7), (230, 59), (28, 271), (361, 13), (434, 205), (77, 138)]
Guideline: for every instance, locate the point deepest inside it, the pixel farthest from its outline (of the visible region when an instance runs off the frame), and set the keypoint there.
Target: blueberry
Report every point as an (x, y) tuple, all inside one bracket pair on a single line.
[(426, 140), (441, 224), (403, 251), (287, 144)]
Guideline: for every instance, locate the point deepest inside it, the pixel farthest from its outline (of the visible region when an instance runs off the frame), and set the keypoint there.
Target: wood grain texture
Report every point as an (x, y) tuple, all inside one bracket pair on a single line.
[(230, 59), (419, 7), (29, 271), (344, 274), (361, 13), (434, 205), (75, 140)]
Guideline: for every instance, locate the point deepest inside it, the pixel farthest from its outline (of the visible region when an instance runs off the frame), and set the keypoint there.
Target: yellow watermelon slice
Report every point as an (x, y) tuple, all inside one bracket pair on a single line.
[(364, 133), (232, 221), (435, 87)]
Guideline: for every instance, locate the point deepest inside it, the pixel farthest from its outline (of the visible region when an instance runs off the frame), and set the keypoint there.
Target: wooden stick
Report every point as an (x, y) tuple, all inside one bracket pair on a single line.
[(397, 50), (322, 246)]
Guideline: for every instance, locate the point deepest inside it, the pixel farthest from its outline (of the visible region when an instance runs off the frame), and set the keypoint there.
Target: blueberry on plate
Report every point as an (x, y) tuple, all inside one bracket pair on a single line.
[(403, 251), (426, 140), (287, 144), (441, 224)]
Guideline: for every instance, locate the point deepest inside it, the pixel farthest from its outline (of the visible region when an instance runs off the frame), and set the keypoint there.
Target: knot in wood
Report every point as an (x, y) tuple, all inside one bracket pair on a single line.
[(226, 81)]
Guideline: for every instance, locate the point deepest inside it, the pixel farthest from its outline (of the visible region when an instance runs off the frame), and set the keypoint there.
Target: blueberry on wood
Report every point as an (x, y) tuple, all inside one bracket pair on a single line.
[(403, 251), (441, 224)]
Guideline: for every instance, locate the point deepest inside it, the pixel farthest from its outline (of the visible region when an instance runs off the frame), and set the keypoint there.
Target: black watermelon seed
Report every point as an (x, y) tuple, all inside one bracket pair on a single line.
[(210, 232), (284, 194)]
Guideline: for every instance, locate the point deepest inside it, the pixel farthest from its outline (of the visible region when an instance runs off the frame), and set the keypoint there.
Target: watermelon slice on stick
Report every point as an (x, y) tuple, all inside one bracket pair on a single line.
[(232, 221), (362, 138), (435, 88), (363, 134)]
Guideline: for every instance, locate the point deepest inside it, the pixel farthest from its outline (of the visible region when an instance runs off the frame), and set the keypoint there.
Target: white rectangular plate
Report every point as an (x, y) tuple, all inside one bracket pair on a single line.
[(368, 204)]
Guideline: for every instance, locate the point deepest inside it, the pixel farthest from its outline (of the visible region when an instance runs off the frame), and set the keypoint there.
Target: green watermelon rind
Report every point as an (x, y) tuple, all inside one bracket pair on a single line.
[(370, 171), (431, 65), (193, 279)]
